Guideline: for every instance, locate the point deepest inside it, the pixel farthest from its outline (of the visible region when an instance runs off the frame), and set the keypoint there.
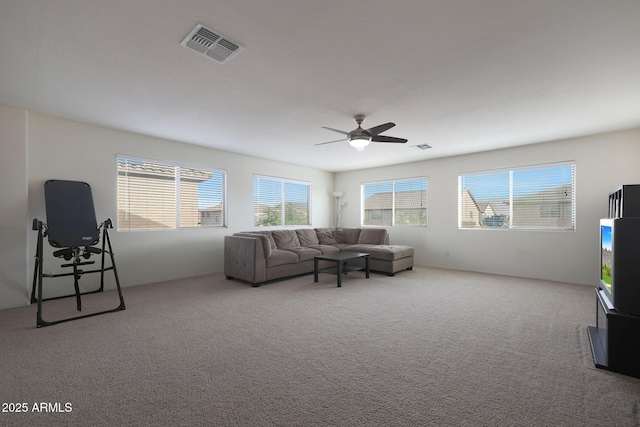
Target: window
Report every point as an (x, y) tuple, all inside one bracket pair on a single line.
[(153, 195), (530, 198), (395, 203), (279, 202)]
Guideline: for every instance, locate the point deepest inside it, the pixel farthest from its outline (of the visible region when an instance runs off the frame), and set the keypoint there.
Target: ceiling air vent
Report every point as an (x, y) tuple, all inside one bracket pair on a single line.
[(420, 147), (212, 44)]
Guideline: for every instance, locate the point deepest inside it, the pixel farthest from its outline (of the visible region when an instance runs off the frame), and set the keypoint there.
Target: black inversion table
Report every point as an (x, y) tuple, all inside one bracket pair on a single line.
[(72, 227)]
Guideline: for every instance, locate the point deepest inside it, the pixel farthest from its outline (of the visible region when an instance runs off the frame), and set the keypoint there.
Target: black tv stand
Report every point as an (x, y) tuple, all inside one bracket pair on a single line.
[(615, 340)]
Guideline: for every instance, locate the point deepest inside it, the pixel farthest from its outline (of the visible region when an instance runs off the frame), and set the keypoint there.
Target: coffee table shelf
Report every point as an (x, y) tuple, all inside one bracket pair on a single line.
[(341, 259)]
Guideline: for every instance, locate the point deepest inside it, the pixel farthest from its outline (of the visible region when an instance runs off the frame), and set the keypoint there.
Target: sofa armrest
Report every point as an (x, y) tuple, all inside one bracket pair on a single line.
[(244, 258), (266, 244)]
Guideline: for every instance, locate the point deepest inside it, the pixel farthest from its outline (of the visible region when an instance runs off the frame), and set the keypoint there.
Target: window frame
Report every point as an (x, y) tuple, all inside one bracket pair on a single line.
[(378, 211), (546, 211), (178, 184), (283, 200)]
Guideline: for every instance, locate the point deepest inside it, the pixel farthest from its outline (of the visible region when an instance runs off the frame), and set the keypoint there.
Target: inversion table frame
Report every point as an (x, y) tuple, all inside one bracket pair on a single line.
[(71, 225), (38, 274)]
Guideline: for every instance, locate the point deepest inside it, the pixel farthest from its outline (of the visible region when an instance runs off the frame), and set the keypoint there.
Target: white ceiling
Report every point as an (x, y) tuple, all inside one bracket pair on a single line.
[(460, 75)]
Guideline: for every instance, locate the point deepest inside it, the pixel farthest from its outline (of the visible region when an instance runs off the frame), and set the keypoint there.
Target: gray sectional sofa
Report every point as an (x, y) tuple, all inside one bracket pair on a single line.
[(261, 256)]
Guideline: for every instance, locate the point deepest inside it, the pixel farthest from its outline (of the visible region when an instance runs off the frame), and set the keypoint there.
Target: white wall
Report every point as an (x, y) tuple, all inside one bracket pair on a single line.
[(603, 162), (13, 210), (36, 148), (62, 149)]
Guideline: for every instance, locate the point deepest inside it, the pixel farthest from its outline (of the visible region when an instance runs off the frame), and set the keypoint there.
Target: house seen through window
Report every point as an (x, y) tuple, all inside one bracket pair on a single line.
[(155, 195), (530, 198), (395, 203)]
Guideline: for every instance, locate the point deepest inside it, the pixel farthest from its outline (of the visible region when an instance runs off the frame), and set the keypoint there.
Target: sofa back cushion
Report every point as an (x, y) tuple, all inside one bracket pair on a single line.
[(269, 237), (374, 236), (307, 237), (350, 235), (326, 236), (286, 239), (331, 236)]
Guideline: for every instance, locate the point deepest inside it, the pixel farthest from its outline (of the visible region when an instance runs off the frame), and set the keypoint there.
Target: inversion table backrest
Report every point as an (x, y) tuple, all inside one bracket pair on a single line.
[(71, 218)]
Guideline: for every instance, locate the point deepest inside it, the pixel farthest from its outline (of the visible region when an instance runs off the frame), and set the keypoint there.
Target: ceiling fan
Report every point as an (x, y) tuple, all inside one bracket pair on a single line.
[(360, 138)]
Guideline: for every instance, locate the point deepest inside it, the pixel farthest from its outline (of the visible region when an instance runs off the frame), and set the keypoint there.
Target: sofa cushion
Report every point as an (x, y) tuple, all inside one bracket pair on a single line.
[(269, 237), (342, 246), (326, 249), (281, 257), (333, 235), (305, 253), (307, 237), (326, 237), (383, 252), (286, 239), (351, 235), (373, 236)]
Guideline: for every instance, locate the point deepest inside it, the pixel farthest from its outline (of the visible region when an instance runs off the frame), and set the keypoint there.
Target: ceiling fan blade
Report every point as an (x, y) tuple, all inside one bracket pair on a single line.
[(336, 130), (331, 142), (382, 138), (380, 128)]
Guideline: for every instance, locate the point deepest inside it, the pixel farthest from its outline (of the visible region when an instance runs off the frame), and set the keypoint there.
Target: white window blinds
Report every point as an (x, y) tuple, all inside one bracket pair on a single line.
[(530, 198), (154, 195), (395, 203), (279, 202)]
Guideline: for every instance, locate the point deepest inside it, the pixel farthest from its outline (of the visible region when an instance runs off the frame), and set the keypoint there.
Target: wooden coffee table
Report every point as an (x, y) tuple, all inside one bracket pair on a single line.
[(341, 259)]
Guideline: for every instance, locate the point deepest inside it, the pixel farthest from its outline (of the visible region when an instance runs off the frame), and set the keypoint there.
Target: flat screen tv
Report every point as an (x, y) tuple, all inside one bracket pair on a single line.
[(620, 263), (605, 257)]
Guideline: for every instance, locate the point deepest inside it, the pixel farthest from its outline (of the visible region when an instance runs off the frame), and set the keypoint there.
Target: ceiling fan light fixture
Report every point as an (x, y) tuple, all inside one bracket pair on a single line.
[(359, 138), (359, 143)]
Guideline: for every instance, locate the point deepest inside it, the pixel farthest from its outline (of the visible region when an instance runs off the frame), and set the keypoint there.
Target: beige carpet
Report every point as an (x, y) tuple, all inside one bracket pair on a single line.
[(426, 347)]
